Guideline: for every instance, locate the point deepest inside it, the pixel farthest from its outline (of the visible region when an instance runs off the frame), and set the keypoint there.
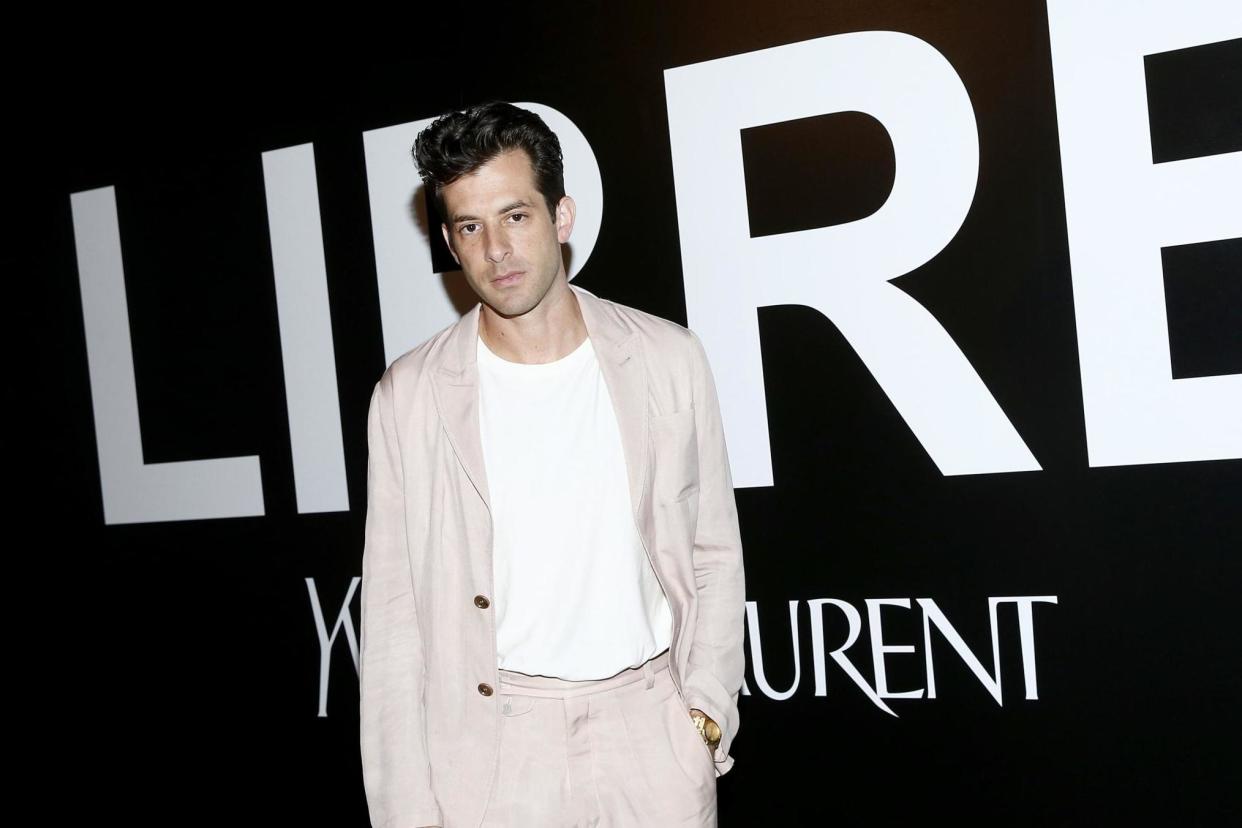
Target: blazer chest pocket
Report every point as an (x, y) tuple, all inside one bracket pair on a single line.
[(675, 457)]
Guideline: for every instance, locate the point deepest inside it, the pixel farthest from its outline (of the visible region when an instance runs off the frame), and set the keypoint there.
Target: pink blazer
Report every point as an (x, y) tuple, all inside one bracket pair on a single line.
[(430, 719)]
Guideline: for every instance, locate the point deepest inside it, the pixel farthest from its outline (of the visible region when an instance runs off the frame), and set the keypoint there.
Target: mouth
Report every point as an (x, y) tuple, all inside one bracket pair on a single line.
[(512, 277)]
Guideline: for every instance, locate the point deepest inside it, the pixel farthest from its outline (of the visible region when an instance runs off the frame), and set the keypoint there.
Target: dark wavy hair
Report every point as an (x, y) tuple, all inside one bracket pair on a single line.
[(458, 143)]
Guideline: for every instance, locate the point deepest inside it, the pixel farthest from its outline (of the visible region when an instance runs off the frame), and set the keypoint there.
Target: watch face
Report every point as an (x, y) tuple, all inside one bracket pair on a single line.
[(711, 733)]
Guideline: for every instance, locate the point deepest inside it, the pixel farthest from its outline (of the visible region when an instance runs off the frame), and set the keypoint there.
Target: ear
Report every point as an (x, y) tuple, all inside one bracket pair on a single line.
[(449, 241), (566, 212)]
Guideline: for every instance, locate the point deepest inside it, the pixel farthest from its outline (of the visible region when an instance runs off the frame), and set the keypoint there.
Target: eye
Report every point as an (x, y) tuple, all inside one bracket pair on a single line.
[(518, 217), (466, 230)]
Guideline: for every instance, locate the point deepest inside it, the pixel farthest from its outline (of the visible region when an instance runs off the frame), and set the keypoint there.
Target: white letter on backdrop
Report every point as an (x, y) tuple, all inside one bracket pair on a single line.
[(305, 319), (1121, 209), (841, 271), (135, 491)]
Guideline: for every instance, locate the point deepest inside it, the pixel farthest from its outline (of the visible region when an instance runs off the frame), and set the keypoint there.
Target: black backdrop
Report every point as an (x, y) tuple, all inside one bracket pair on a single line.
[(176, 666)]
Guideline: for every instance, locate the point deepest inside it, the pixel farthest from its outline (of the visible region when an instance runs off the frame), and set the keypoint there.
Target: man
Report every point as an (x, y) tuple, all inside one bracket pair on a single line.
[(552, 583)]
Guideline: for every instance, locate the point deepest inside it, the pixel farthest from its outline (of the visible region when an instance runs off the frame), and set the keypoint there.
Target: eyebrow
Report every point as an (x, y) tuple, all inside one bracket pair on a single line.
[(521, 202)]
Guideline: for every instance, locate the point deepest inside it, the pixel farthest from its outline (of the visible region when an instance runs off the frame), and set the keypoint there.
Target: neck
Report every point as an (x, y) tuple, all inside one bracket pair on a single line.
[(551, 330)]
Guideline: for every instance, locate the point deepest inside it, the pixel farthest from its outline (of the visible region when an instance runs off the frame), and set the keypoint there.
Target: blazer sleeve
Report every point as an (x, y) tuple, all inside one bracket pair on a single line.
[(717, 658), (395, 768)]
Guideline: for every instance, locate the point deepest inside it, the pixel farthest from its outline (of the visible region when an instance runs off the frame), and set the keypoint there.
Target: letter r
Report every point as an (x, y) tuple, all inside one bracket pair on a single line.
[(842, 271)]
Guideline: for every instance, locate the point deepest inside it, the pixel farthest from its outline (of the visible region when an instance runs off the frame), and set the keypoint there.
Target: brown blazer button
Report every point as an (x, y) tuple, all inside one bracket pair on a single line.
[(485, 689), (481, 602)]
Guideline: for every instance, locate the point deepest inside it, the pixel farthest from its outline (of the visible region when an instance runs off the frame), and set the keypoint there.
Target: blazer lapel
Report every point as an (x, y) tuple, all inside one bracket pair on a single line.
[(621, 361), (456, 384)]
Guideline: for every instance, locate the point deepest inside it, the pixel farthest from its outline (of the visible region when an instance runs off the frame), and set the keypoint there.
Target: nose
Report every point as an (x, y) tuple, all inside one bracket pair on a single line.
[(497, 245)]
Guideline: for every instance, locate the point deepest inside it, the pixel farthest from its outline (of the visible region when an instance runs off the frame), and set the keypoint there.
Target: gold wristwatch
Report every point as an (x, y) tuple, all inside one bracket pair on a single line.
[(708, 729)]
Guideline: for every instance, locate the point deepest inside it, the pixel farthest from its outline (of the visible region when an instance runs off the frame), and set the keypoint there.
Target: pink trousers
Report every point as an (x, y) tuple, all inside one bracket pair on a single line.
[(620, 751)]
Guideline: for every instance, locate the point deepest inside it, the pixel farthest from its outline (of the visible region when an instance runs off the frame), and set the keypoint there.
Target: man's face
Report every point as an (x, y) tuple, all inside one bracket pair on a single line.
[(498, 229)]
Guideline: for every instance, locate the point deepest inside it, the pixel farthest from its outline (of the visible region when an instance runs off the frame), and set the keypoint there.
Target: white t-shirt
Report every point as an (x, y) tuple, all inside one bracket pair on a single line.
[(576, 597)]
